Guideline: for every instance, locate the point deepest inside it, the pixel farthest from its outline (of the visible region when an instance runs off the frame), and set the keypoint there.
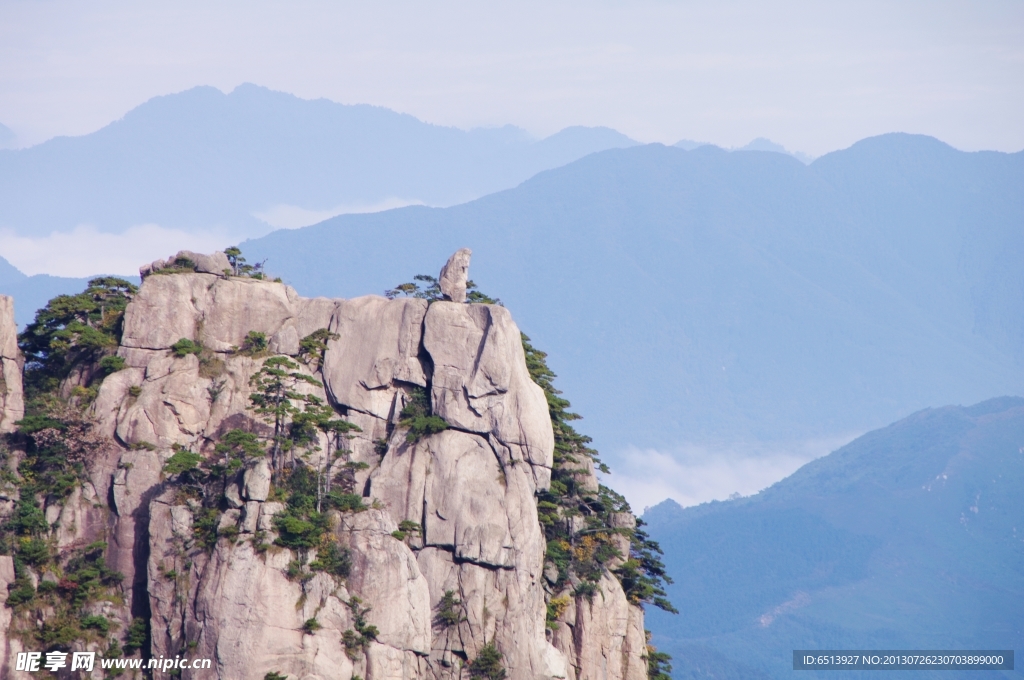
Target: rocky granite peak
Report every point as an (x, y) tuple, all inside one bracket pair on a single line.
[(455, 275), (317, 488)]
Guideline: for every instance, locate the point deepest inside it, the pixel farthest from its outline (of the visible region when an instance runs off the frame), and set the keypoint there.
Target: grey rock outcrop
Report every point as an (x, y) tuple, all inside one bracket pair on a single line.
[(12, 400), (480, 538), (455, 275), (376, 348), (218, 313), (481, 384), (583, 473), (256, 482), (603, 637), (453, 485), (239, 609), (216, 263), (385, 575)]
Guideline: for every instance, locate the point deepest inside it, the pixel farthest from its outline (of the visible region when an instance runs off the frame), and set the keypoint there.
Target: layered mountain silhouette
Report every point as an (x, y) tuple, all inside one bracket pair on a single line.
[(684, 296), (759, 144), (201, 158), (910, 537), (711, 296)]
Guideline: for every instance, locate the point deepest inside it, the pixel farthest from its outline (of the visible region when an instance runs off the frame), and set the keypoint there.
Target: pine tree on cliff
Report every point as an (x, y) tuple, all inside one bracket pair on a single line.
[(274, 398), (74, 329)]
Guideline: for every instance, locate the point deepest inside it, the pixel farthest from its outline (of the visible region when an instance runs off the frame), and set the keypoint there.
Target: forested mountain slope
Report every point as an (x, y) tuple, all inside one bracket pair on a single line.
[(910, 537)]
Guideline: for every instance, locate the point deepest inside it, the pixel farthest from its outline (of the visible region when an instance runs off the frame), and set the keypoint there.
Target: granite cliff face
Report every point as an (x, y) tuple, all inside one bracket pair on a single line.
[(12, 403), (433, 552)]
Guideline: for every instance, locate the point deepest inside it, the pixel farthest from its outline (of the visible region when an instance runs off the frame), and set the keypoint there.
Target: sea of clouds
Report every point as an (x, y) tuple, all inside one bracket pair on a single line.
[(691, 474)]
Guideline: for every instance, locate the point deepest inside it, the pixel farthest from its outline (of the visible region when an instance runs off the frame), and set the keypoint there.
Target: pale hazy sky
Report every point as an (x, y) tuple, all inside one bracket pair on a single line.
[(814, 76)]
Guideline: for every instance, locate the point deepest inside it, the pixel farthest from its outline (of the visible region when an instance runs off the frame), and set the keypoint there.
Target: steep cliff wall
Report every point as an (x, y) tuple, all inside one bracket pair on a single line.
[(235, 406), (12, 404)]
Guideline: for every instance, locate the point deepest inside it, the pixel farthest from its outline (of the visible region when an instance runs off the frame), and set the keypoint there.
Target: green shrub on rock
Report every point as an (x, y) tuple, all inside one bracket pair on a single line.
[(182, 461), (138, 636), (488, 664), (184, 347), (112, 364), (449, 610), (255, 344), (418, 416)]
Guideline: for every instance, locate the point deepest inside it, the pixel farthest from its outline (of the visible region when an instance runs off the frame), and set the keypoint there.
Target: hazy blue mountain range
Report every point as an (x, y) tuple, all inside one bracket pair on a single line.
[(910, 537), (703, 295), (203, 158), (759, 144)]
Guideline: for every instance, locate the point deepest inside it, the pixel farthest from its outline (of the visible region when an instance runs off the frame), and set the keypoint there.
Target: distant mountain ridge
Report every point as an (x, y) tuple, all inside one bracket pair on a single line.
[(758, 144), (711, 296), (33, 292), (7, 136), (706, 296), (201, 158), (910, 537)]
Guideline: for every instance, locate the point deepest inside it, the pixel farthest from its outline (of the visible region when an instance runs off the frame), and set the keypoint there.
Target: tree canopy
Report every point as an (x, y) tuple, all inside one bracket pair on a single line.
[(72, 329), (588, 554)]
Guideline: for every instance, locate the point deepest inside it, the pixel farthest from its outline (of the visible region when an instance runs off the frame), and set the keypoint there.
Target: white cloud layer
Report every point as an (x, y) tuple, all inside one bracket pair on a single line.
[(85, 250), (284, 216), (691, 474)]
